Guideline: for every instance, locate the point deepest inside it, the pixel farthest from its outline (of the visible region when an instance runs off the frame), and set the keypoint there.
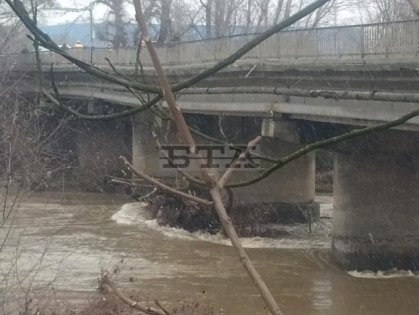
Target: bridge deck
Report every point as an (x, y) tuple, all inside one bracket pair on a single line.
[(358, 44), (370, 57)]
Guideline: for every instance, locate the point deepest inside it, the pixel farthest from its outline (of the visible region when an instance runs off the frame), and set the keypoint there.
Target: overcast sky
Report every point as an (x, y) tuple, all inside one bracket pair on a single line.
[(60, 17), (99, 12)]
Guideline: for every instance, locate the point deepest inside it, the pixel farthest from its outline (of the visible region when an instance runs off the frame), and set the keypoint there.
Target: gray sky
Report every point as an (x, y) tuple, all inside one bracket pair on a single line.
[(60, 17)]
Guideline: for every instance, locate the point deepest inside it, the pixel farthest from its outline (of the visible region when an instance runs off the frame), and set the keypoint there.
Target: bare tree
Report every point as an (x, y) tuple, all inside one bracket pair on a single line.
[(114, 29), (165, 21), (385, 10), (208, 16), (243, 16), (12, 36), (263, 18)]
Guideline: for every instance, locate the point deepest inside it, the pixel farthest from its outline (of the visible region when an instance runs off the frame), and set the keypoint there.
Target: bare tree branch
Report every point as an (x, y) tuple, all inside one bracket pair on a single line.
[(227, 174), (165, 187), (174, 109), (44, 40), (244, 258), (321, 144), (125, 113), (108, 285), (47, 42), (209, 178)]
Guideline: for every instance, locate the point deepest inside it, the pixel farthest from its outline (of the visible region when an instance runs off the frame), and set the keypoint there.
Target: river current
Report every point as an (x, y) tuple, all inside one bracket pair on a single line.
[(60, 242)]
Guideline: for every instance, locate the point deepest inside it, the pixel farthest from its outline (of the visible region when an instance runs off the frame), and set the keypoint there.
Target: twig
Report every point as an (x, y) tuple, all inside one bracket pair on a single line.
[(130, 89), (151, 193), (122, 182)]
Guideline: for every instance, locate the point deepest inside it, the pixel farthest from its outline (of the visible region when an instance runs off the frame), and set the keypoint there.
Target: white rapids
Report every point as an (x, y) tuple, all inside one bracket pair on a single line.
[(298, 238)]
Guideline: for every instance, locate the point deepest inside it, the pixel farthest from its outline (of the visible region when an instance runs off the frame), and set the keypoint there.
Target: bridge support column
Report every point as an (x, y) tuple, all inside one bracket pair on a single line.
[(376, 204), (145, 154), (286, 196), (98, 147)]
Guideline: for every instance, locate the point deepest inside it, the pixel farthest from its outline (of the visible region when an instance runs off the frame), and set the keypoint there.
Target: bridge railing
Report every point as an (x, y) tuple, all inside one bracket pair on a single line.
[(358, 43)]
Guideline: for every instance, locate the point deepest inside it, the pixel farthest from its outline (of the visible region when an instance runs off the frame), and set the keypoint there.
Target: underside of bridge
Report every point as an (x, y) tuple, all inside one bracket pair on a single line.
[(376, 205)]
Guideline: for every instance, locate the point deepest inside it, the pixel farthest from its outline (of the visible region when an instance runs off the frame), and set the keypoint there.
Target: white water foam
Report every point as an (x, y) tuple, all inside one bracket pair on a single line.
[(137, 214), (131, 213), (248, 242), (388, 274)]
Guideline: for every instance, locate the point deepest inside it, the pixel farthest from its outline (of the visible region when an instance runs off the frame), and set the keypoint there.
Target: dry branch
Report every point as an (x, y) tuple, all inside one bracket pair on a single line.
[(44, 40), (109, 286), (227, 174), (174, 109), (164, 83), (244, 258), (209, 178), (122, 114), (164, 187)]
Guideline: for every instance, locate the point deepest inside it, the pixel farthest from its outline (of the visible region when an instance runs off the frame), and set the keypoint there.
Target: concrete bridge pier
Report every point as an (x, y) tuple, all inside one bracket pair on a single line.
[(376, 203), (286, 196), (98, 147), (145, 154)]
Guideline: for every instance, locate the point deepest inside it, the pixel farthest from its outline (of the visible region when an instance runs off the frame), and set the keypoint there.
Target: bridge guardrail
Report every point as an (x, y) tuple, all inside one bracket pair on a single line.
[(363, 43)]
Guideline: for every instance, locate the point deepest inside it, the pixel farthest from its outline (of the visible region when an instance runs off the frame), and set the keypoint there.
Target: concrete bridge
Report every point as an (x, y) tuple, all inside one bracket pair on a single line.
[(278, 90)]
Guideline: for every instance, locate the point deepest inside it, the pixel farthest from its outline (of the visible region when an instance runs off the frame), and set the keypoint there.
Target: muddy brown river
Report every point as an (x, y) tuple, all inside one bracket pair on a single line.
[(60, 242)]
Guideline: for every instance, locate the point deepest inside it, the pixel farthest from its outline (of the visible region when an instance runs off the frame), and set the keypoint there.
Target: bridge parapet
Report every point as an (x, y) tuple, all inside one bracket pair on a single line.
[(370, 43)]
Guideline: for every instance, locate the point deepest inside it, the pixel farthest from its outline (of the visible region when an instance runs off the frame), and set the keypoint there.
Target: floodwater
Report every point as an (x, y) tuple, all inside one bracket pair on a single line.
[(60, 242)]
